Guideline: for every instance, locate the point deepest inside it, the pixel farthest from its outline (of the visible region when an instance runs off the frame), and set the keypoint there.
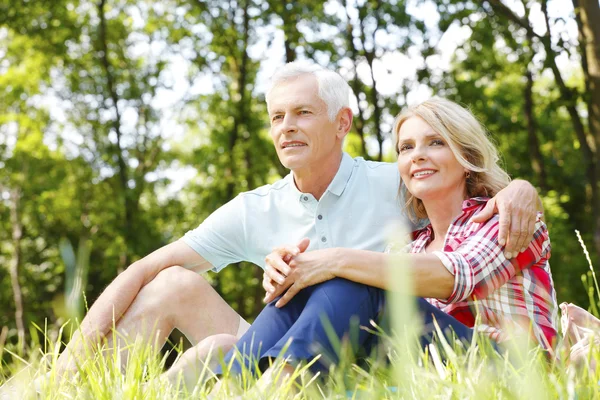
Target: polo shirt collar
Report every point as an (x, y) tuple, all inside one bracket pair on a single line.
[(342, 176), (339, 182)]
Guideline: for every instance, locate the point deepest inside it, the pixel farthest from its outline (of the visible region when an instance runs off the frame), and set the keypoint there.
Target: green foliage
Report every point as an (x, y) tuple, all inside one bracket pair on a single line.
[(125, 123)]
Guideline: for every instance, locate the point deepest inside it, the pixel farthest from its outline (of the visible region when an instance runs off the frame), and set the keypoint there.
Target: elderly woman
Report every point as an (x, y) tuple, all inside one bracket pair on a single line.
[(449, 169)]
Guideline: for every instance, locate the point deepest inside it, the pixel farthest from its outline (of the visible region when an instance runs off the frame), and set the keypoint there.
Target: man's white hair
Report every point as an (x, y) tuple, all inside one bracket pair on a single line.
[(333, 89)]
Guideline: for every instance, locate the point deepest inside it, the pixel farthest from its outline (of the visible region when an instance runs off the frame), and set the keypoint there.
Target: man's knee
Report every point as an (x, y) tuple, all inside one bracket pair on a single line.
[(341, 289), (176, 286)]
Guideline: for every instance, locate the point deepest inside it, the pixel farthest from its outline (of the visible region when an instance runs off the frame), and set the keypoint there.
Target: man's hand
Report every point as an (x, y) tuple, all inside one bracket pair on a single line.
[(277, 269), (308, 269), (517, 207), (301, 270)]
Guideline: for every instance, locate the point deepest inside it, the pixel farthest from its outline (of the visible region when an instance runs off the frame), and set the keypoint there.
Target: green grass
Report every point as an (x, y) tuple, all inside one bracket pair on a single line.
[(404, 371), (467, 373)]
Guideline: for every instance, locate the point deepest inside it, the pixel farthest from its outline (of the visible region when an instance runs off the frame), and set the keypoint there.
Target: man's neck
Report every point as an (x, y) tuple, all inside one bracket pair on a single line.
[(317, 178)]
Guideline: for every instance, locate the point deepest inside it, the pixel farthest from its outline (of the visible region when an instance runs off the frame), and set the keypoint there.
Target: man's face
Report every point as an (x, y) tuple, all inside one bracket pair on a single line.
[(302, 133)]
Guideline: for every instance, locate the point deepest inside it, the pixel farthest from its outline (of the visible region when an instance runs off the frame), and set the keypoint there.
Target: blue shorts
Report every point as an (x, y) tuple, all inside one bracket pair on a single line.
[(310, 324), (313, 322)]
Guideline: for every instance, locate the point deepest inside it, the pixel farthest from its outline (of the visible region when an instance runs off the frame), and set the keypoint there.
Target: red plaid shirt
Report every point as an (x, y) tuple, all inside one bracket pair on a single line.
[(518, 291)]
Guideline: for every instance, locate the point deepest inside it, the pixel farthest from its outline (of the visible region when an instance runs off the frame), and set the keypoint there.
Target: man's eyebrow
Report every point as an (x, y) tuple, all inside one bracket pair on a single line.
[(301, 106), (296, 108)]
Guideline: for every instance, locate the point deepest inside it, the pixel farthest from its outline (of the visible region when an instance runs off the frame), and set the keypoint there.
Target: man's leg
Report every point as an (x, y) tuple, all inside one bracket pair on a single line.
[(200, 361), (268, 328), (176, 298), (337, 301), (336, 309)]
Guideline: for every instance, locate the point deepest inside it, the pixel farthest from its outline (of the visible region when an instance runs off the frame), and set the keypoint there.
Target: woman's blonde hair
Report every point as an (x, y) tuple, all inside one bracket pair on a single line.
[(469, 142)]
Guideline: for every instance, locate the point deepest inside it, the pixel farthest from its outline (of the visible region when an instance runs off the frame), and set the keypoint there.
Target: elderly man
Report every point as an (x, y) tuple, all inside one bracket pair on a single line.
[(329, 197)]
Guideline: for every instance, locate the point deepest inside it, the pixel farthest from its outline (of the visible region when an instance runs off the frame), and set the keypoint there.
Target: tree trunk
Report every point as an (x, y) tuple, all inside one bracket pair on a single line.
[(373, 94), (360, 120), (17, 234), (290, 32), (128, 201), (537, 160), (588, 16), (240, 112)]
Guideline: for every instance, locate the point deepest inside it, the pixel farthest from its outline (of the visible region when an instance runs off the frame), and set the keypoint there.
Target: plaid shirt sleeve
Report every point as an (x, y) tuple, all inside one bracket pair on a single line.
[(478, 263)]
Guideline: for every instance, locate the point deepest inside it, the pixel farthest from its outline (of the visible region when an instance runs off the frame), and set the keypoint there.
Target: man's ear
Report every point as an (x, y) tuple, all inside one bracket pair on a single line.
[(344, 122)]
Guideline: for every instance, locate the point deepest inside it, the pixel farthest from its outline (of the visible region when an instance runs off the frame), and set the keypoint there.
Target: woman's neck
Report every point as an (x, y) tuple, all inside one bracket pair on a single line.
[(441, 213)]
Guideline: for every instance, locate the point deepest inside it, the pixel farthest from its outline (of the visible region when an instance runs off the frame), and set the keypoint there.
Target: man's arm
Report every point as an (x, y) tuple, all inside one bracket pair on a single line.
[(517, 206), (118, 296)]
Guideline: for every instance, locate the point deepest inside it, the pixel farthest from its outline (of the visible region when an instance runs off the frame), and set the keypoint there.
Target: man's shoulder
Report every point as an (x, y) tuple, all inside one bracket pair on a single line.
[(374, 165), (380, 173), (276, 188)]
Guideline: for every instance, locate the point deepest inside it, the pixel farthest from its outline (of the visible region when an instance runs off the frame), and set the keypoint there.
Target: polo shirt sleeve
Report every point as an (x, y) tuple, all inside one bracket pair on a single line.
[(221, 238)]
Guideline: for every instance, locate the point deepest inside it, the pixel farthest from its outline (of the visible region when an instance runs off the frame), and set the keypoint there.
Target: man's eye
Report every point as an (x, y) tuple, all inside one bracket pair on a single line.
[(304, 112), (276, 117)]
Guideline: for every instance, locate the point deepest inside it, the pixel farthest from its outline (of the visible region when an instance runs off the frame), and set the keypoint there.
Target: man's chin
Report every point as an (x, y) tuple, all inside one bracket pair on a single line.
[(291, 163)]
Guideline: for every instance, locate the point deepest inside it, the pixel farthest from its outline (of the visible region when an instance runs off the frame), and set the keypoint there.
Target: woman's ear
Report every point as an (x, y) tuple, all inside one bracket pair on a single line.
[(344, 122)]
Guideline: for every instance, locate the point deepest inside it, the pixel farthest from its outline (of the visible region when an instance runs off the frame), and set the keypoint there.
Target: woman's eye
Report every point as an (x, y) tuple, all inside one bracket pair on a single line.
[(404, 147), (437, 142), (304, 112)]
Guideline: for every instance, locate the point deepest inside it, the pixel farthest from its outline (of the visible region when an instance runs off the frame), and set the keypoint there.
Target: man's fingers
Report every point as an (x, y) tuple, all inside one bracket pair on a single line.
[(522, 228), (270, 296), (279, 289), (487, 212), (287, 249), (291, 292), (267, 284), (303, 244), (503, 224), (276, 262), (524, 235), (274, 274), (530, 231), (515, 234)]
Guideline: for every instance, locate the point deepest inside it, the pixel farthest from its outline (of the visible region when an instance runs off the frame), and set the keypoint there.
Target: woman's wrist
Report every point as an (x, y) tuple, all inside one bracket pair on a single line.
[(339, 263)]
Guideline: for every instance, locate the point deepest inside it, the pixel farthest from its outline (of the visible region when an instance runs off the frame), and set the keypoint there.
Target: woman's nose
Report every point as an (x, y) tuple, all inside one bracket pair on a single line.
[(418, 154)]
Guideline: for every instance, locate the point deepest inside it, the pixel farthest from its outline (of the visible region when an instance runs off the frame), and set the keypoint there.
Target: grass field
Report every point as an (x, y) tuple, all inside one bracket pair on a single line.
[(401, 371)]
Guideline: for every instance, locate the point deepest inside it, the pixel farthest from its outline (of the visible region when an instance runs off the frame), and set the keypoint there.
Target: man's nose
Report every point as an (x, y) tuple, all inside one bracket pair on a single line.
[(289, 124)]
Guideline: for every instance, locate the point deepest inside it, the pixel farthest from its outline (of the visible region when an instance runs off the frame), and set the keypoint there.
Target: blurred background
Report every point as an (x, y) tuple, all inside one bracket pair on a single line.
[(124, 123)]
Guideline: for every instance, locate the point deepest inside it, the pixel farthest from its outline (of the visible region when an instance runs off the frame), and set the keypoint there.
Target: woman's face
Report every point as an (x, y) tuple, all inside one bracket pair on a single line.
[(426, 163)]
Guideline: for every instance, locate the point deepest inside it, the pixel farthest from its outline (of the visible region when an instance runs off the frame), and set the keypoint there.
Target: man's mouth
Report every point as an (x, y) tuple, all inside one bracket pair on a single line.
[(286, 145)]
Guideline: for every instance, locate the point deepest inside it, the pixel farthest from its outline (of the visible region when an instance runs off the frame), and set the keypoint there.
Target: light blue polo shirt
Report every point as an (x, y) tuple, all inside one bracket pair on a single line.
[(353, 212)]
